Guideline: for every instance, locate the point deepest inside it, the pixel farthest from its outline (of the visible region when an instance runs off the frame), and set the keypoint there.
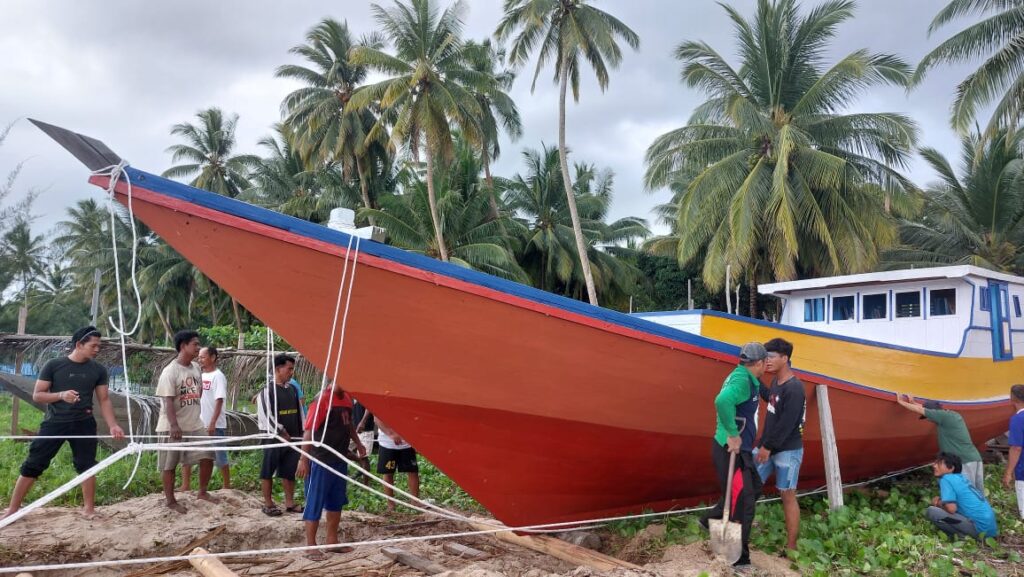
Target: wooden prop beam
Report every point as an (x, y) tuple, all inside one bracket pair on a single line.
[(210, 566), (833, 478), (560, 549)]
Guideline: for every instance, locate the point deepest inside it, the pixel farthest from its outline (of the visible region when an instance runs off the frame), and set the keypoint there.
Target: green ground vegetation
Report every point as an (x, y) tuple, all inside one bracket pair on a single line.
[(881, 531)]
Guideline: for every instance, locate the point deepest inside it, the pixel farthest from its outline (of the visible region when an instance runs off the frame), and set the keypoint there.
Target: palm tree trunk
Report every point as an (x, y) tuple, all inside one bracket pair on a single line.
[(238, 324), (577, 228), (489, 181), (432, 198), (752, 294), (163, 322), (364, 187)]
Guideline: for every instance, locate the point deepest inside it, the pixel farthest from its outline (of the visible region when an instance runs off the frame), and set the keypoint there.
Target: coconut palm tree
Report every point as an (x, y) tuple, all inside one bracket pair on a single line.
[(474, 238), (976, 217), (430, 92), (327, 129), (567, 32), (208, 154), (57, 305), (23, 254), (998, 36), (498, 110), (549, 248), (780, 181), (284, 181)]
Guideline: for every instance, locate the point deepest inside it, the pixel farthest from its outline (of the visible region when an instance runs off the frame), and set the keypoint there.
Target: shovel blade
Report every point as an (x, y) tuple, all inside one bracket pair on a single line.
[(726, 540)]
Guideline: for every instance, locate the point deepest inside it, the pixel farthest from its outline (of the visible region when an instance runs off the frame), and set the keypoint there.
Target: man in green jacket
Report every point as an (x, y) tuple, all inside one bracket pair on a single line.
[(954, 437), (736, 414)]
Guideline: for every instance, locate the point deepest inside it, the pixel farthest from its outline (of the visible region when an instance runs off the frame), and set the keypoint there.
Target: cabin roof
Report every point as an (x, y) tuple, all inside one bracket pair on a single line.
[(886, 277)]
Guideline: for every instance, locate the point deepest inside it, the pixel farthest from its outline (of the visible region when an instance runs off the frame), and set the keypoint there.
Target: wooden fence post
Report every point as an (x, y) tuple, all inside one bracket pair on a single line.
[(833, 478), (15, 408)]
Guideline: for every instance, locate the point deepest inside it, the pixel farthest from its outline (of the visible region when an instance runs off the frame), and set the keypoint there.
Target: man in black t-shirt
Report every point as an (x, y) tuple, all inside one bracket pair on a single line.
[(280, 410), (66, 386), (780, 450)]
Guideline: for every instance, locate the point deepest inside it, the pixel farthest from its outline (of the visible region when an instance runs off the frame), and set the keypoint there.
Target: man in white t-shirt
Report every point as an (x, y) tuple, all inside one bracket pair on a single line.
[(213, 414), (396, 455)]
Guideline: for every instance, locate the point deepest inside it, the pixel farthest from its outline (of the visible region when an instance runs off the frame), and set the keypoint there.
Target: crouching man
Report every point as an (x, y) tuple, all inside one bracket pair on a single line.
[(960, 509)]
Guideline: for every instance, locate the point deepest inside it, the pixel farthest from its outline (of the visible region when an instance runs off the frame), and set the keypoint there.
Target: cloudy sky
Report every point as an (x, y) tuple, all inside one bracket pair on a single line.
[(124, 71)]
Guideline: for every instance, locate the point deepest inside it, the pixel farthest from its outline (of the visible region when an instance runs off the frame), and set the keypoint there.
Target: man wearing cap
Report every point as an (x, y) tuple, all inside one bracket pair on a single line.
[(954, 438), (736, 414), (66, 385)]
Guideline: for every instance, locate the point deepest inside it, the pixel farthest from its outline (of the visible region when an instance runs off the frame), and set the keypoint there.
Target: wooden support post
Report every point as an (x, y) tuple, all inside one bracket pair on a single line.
[(560, 549), (833, 478), (210, 566), (415, 561), (18, 360)]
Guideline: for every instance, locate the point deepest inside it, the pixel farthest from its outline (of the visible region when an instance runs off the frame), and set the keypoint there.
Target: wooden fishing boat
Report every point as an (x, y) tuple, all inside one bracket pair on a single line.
[(547, 409)]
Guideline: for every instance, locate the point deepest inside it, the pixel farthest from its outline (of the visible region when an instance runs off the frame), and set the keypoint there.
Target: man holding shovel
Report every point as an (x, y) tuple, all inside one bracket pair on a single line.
[(732, 453)]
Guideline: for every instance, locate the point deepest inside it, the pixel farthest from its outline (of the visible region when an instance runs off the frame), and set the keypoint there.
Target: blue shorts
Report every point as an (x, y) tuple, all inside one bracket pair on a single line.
[(220, 458), (785, 465), (325, 491)]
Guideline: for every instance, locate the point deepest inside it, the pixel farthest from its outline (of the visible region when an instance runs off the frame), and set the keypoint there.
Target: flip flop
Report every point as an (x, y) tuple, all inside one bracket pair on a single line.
[(295, 509), (272, 511)]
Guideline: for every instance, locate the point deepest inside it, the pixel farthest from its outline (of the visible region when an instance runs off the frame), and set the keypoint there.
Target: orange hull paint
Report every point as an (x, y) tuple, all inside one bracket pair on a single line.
[(539, 416)]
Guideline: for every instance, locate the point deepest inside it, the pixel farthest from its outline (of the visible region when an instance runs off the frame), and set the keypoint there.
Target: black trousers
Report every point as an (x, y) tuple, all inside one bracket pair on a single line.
[(42, 451), (746, 485)]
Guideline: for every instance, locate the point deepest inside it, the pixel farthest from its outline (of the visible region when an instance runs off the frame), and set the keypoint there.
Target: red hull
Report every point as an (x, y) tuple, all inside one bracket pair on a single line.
[(540, 413)]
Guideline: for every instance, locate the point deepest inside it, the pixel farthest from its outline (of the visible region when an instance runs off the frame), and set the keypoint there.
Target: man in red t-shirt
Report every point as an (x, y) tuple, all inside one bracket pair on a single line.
[(328, 421)]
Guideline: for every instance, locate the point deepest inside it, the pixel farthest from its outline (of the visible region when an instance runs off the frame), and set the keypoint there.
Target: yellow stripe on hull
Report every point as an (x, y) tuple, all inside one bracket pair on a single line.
[(880, 367)]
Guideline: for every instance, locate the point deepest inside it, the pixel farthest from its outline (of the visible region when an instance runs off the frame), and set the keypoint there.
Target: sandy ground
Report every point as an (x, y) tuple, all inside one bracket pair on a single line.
[(143, 527)]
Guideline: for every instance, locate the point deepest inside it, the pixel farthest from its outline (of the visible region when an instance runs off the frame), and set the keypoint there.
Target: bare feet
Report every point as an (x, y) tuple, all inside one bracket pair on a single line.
[(91, 515), (184, 489), (176, 506), (315, 555), (207, 497), (341, 550)]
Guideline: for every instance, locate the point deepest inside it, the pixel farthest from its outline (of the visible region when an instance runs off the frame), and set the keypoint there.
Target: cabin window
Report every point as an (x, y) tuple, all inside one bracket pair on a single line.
[(874, 306), (943, 302), (842, 308), (908, 305), (1016, 306), (814, 310), (983, 297)]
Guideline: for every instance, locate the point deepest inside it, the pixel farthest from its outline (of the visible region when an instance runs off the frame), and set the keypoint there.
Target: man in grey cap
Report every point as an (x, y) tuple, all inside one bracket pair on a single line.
[(954, 438), (736, 414)]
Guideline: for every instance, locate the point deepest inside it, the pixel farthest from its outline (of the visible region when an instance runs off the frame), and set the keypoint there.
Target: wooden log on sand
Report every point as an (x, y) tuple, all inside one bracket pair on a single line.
[(560, 549), (210, 566), (415, 561)]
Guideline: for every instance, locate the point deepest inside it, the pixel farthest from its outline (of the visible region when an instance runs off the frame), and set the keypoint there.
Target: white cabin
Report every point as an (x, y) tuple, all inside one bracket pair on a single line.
[(948, 310)]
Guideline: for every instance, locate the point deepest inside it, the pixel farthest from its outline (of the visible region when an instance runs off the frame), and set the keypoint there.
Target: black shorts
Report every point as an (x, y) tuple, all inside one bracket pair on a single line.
[(400, 460), (280, 462), (42, 451)]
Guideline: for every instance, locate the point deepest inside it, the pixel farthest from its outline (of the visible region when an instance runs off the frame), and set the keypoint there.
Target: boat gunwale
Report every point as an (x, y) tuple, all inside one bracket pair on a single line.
[(207, 205)]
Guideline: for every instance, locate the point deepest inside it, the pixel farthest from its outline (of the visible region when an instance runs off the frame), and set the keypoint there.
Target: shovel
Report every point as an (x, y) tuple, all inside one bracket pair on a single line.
[(727, 536)]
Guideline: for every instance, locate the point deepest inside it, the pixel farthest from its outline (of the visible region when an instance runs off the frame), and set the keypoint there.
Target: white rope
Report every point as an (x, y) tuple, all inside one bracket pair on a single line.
[(306, 548), (334, 328), (92, 471), (344, 323), (114, 173), (497, 527)]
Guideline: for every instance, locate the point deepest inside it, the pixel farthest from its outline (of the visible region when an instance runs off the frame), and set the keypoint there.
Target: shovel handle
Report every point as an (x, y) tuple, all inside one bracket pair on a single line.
[(728, 482), (728, 488)]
